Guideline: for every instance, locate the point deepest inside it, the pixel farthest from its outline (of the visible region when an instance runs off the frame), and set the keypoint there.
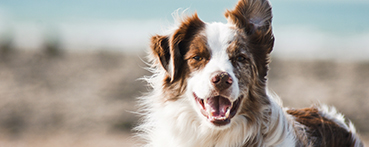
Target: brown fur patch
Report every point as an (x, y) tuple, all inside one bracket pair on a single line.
[(251, 16), (322, 131), (173, 49), (160, 49), (180, 42), (198, 54)]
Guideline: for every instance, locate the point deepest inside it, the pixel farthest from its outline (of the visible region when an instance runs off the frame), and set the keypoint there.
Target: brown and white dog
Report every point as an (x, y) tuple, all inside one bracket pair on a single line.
[(209, 89)]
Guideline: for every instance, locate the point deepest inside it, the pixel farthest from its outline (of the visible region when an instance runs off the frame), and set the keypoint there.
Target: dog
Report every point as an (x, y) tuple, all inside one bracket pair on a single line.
[(208, 89)]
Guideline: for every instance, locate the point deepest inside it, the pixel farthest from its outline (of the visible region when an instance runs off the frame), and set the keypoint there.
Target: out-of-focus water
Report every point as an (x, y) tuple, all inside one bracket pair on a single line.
[(303, 28)]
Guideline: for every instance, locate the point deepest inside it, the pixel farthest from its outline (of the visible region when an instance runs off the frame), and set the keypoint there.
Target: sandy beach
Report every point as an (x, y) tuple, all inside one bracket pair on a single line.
[(87, 99)]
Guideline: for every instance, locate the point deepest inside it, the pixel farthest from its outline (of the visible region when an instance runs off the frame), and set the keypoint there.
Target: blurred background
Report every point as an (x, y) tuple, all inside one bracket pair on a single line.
[(69, 69)]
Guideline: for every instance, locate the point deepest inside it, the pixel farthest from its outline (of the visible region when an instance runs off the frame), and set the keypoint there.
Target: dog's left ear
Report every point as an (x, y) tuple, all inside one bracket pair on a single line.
[(254, 18)]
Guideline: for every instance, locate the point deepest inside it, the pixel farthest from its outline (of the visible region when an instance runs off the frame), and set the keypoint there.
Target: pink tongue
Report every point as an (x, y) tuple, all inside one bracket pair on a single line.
[(218, 106)]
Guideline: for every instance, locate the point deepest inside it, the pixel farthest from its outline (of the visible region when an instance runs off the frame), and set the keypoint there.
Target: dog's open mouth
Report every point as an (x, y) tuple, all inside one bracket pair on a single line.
[(218, 110)]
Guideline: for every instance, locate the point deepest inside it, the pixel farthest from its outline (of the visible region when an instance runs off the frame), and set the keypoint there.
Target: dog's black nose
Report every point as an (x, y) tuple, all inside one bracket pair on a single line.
[(222, 81)]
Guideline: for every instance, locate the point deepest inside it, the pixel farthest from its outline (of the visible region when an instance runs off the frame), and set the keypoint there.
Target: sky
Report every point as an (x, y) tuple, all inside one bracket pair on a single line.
[(301, 26)]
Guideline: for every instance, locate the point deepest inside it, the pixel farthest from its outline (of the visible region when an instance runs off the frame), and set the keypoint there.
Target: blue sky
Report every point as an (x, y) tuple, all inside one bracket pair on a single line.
[(344, 15), (317, 24), (144, 9)]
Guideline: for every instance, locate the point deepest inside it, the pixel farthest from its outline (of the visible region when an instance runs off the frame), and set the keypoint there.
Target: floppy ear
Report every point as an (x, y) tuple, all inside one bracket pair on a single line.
[(160, 49), (254, 18), (170, 50)]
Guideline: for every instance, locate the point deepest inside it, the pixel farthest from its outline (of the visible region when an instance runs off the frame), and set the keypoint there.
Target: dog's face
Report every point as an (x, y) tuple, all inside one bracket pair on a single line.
[(219, 64), (220, 68)]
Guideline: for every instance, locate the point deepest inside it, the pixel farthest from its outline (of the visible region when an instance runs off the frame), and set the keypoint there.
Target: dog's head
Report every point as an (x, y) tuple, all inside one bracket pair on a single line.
[(221, 68)]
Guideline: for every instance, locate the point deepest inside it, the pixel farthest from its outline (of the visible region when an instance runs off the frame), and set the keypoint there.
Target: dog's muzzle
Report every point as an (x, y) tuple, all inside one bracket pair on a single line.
[(218, 108)]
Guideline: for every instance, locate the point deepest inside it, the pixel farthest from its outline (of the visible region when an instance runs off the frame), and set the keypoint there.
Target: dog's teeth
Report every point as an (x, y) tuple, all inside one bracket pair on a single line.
[(228, 112)]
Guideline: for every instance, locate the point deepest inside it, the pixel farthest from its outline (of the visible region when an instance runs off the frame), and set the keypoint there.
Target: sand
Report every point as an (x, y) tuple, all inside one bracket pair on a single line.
[(87, 98)]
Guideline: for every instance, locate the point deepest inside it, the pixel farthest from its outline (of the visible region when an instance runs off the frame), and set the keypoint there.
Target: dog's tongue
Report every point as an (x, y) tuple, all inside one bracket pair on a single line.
[(218, 107)]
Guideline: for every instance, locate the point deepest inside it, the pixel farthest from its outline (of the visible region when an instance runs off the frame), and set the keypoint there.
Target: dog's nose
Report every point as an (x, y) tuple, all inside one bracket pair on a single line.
[(222, 81)]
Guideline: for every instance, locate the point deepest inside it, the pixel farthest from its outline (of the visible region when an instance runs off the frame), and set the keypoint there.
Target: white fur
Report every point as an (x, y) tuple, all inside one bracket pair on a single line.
[(177, 124), (180, 124), (218, 36)]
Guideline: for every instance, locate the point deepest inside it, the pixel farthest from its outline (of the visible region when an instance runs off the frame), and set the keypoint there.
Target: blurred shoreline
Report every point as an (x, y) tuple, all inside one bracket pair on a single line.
[(132, 36)]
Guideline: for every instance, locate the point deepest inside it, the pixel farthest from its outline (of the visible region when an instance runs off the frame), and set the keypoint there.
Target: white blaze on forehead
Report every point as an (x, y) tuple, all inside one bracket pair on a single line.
[(219, 35)]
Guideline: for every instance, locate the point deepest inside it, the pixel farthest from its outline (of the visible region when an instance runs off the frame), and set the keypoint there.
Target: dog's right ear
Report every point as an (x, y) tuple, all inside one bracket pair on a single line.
[(160, 50), (169, 50)]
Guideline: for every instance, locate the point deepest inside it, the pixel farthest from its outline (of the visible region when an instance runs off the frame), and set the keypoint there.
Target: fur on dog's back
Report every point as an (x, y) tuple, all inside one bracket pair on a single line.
[(209, 89), (324, 126)]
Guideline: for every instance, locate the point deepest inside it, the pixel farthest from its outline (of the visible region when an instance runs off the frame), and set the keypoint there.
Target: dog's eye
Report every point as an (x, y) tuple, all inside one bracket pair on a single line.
[(197, 58), (240, 58)]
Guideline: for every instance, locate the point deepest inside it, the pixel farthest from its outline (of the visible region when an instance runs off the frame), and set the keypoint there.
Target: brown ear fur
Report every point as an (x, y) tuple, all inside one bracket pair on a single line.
[(160, 49), (251, 16), (180, 40), (173, 48), (254, 17)]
